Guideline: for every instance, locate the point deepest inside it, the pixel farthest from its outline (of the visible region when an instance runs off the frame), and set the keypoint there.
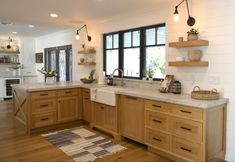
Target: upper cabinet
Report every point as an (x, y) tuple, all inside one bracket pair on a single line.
[(192, 43)]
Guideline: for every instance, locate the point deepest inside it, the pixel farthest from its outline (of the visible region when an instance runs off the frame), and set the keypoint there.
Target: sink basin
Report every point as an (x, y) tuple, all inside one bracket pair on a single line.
[(105, 95)]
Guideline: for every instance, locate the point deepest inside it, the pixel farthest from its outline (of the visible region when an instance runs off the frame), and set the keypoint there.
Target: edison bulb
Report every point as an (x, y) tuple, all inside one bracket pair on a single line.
[(77, 36), (176, 17)]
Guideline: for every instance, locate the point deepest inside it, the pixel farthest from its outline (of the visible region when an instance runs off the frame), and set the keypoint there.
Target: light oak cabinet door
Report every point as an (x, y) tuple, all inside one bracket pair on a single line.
[(98, 114), (67, 108), (132, 118), (86, 111), (111, 118)]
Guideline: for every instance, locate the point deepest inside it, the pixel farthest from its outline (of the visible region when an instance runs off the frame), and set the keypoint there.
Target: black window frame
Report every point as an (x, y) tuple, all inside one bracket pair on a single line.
[(121, 48)]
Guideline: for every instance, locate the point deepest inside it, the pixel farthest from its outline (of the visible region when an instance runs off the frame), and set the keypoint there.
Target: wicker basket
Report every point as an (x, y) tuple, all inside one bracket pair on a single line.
[(204, 94)]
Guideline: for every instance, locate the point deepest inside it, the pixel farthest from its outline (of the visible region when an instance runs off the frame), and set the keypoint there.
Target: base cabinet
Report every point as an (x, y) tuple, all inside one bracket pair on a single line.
[(86, 108), (132, 118)]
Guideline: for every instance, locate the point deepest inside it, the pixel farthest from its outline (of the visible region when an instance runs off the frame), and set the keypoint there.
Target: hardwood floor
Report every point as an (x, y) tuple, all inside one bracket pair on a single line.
[(16, 145)]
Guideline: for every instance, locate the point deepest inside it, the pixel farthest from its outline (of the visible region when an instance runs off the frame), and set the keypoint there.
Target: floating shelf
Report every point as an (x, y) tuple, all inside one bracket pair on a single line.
[(9, 52), (87, 63), (188, 63), (9, 63), (87, 52), (192, 43)]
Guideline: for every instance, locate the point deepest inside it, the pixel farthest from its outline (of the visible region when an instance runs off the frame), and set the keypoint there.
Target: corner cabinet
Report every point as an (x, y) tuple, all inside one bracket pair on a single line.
[(193, 43), (86, 108)]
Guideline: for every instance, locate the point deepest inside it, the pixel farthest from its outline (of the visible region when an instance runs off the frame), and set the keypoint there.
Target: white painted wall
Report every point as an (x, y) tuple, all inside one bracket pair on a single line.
[(61, 38), (214, 20)]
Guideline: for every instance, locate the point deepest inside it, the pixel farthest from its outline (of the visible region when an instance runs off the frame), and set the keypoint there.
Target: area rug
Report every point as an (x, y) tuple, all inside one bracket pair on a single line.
[(82, 145)]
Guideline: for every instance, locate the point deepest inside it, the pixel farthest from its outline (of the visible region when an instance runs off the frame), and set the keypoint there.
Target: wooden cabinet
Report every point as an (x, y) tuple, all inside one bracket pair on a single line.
[(185, 132), (132, 118), (86, 110), (105, 117)]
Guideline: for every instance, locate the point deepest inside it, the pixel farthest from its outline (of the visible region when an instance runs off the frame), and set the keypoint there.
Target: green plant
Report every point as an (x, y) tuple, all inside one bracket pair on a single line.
[(150, 72), (145, 73), (48, 73), (193, 31)]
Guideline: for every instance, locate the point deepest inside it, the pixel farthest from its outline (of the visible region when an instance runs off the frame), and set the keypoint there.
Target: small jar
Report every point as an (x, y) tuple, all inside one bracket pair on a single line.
[(176, 87)]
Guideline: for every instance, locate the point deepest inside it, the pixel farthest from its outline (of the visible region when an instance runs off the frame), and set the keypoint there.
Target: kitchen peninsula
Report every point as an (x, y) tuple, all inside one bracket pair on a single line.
[(168, 124)]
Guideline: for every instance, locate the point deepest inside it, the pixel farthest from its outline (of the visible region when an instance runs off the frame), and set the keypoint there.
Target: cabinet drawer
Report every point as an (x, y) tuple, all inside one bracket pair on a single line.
[(86, 92), (187, 129), (43, 95), (68, 92), (157, 139), (155, 105), (156, 120), (43, 119), (43, 105), (190, 150), (192, 113)]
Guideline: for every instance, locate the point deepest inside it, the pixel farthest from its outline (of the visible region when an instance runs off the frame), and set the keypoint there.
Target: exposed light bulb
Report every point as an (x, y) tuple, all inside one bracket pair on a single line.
[(77, 36), (176, 17)]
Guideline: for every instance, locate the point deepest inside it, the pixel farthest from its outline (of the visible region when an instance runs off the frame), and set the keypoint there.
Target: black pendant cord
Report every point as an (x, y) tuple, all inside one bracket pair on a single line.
[(188, 8)]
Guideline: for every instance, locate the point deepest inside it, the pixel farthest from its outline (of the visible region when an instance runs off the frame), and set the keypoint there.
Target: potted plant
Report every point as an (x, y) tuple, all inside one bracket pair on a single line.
[(193, 34), (49, 75), (150, 74), (145, 73)]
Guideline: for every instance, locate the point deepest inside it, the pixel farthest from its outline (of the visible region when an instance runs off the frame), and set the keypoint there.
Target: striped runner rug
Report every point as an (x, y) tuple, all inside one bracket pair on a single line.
[(82, 145)]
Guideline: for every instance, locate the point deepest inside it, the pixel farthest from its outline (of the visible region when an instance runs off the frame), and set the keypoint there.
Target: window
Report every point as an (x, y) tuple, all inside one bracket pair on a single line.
[(135, 51), (60, 60)]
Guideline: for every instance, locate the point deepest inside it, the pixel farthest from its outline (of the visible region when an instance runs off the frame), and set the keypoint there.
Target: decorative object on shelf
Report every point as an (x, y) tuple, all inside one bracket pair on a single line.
[(82, 60), (192, 34), (9, 43), (179, 58), (87, 50), (199, 94), (49, 75), (165, 85), (191, 20), (176, 87), (90, 78), (181, 39), (194, 55), (77, 35), (39, 57)]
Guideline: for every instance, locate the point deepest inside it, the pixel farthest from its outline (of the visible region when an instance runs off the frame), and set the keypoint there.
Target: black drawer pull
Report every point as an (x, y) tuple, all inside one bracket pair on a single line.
[(131, 98), (188, 112), (43, 119), (156, 139), (158, 121), (188, 129), (157, 106), (87, 98), (44, 94), (68, 92), (185, 149), (102, 107), (46, 105)]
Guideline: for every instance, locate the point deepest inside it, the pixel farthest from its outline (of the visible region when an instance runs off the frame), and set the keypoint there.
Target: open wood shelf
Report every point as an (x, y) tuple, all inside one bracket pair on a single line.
[(192, 43), (189, 63), (87, 52), (9, 63), (87, 63), (9, 52)]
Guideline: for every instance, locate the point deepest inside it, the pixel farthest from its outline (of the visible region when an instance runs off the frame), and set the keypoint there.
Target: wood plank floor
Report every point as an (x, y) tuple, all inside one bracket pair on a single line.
[(15, 145)]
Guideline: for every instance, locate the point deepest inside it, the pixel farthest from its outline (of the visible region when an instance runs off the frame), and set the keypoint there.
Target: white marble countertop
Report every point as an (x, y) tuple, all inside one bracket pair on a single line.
[(182, 99)]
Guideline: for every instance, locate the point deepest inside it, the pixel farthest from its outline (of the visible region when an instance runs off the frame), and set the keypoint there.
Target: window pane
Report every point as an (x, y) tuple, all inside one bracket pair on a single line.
[(127, 39), (62, 67), (161, 35), (132, 62), (150, 36), (111, 61), (115, 41), (136, 38), (53, 60), (155, 60), (109, 42)]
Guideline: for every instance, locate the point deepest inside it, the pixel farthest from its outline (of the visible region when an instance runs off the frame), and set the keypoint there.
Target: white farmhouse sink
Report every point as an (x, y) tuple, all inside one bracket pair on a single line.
[(105, 95)]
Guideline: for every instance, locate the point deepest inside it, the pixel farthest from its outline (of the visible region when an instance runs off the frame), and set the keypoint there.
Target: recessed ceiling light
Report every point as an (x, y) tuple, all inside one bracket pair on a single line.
[(31, 26), (14, 32), (53, 15)]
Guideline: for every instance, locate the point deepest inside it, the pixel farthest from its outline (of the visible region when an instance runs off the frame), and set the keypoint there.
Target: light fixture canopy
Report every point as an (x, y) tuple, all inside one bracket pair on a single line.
[(77, 34), (191, 20)]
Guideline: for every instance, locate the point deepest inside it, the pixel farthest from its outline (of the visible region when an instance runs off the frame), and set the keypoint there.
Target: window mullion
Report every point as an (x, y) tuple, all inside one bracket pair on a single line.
[(121, 52)]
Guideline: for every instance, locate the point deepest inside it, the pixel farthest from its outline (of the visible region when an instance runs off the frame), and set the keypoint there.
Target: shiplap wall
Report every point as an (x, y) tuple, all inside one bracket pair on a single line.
[(215, 21)]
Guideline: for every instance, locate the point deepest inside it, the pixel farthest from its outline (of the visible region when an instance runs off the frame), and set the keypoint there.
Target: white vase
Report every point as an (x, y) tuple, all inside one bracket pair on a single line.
[(50, 80), (192, 37)]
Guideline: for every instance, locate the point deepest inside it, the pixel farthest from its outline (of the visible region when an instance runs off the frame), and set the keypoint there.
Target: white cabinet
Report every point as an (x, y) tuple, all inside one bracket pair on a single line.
[(2, 88)]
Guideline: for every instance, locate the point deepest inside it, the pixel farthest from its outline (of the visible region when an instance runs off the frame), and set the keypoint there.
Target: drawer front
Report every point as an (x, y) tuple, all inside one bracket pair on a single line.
[(156, 120), (43, 94), (187, 129), (157, 139), (190, 150), (155, 105), (86, 92), (43, 119), (68, 92), (43, 105), (185, 111)]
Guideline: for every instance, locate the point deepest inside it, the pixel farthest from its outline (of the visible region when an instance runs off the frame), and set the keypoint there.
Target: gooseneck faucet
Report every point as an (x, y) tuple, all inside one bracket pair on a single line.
[(118, 69)]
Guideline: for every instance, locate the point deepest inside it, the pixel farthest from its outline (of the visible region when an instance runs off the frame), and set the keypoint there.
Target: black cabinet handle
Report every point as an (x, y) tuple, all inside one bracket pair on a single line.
[(68, 92), (44, 94), (43, 119), (46, 105), (185, 149), (157, 106), (157, 121), (132, 98), (156, 139), (187, 112), (188, 129), (102, 107)]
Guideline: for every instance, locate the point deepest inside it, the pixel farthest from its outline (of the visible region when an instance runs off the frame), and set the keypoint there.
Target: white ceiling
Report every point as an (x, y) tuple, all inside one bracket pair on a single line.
[(72, 13)]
